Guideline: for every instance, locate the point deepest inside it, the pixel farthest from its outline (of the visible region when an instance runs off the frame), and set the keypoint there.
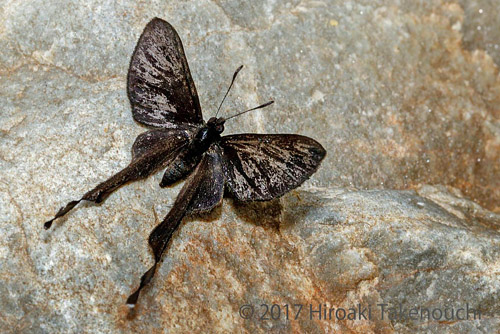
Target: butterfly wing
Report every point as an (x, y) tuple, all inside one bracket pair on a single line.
[(151, 151), (211, 186), (166, 140), (160, 88), (263, 167), (202, 191)]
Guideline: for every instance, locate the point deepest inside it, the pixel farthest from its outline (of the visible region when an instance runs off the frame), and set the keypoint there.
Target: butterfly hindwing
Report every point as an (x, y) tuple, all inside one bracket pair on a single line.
[(167, 140), (211, 186), (201, 192), (265, 166), (160, 88), (151, 151)]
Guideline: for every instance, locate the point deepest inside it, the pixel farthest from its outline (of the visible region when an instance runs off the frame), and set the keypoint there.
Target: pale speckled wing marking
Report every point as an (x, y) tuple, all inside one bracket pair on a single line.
[(262, 167), (160, 88), (202, 191)]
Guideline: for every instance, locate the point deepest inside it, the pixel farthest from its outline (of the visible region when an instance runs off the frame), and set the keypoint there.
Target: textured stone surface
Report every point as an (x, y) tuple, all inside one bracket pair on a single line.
[(338, 248), (402, 94)]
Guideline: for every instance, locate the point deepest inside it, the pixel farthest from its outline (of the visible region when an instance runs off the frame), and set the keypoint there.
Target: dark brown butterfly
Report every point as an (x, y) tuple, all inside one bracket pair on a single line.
[(251, 167)]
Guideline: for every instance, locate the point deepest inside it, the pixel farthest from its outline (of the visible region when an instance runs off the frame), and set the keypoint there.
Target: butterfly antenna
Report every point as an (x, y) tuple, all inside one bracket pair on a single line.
[(259, 107), (231, 85)]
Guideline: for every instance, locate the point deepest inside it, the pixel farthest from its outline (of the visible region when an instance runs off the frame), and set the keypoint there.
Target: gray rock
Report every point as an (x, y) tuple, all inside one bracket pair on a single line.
[(402, 94), (336, 248)]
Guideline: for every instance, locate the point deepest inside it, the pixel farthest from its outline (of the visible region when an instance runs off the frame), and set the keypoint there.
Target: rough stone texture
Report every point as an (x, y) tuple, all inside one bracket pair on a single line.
[(402, 94), (478, 33), (337, 247)]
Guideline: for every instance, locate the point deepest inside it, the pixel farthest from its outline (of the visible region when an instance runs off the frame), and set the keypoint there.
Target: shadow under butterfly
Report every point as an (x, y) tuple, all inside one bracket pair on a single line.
[(250, 167)]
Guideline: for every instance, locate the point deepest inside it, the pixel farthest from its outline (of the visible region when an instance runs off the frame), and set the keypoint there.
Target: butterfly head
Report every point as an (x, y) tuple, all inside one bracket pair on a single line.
[(216, 124)]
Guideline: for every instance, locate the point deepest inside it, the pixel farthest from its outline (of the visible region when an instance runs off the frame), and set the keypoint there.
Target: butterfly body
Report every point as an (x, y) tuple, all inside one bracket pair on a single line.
[(209, 133), (249, 167)]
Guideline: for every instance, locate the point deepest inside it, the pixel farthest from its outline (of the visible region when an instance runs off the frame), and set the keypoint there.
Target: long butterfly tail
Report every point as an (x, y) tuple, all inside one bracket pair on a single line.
[(161, 234), (62, 211), (97, 195), (103, 190), (145, 279), (159, 238), (192, 198)]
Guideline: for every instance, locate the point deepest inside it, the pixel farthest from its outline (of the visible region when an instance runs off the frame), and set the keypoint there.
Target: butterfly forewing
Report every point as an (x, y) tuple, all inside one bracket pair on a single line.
[(265, 166), (160, 88)]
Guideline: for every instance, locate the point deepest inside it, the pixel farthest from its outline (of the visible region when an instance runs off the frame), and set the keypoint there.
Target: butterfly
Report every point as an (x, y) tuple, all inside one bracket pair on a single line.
[(249, 167)]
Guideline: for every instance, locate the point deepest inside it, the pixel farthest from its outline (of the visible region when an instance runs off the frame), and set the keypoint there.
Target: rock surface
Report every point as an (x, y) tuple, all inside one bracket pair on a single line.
[(336, 248), (402, 94)]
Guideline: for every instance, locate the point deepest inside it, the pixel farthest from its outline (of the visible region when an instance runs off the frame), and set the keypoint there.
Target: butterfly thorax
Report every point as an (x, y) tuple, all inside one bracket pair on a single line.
[(209, 133), (188, 158)]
